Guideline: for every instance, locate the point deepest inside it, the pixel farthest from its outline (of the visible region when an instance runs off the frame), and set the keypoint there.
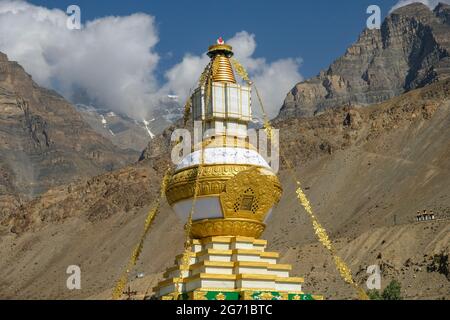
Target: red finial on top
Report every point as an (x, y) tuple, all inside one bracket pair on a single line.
[(220, 41)]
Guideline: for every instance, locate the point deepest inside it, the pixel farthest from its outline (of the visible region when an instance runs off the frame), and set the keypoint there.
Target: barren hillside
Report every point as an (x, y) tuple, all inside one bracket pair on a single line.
[(366, 170)]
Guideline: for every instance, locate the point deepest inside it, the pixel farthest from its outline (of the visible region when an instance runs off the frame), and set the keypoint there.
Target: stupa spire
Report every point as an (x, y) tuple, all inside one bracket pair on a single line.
[(220, 53)]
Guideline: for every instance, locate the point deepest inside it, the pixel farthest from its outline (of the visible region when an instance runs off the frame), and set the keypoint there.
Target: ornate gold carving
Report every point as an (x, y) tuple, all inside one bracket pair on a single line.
[(247, 295), (250, 194), (211, 181), (240, 70), (226, 227), (220, 296), (266, 296), (246, 194), (296, 297), (200, 295), (205, 75)]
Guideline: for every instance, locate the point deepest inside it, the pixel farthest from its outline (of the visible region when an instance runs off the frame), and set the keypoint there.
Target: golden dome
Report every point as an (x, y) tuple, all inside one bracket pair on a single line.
[(246, 194)]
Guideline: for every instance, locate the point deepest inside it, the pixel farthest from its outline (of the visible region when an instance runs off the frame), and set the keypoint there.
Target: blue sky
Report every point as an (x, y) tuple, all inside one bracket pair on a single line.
[(317, 31), (130, 55)]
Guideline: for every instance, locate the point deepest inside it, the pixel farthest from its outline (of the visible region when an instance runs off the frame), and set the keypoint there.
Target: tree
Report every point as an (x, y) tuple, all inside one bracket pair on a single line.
[(392, 291)]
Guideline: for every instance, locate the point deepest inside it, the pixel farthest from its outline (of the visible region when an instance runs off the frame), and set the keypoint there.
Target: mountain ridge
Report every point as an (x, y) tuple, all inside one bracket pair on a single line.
[(410, 50), (43, 140)]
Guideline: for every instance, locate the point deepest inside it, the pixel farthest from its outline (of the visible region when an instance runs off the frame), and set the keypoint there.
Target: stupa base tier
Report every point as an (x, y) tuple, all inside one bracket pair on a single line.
[(241, 295), (230, 268)]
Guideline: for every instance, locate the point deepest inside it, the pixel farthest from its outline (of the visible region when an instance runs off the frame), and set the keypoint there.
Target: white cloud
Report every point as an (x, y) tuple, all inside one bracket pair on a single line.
[(430, 3), (114, 59), (273, 79), (182, 77)]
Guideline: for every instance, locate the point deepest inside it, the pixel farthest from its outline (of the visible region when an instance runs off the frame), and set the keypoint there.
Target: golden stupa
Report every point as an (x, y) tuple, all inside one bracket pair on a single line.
[(232, 190)]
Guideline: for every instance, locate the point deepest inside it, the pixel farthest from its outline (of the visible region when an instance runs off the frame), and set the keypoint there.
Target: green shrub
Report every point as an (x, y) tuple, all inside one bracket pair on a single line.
[(391, 292), (374, 294)]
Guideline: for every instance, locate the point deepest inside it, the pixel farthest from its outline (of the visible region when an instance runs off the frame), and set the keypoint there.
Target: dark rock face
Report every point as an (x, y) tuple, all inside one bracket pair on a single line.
[(442, 11), (44, 142), (411, 50)]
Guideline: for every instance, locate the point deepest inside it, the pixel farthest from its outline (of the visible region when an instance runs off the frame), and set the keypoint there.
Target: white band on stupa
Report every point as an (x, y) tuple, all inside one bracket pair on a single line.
[(224, 155)]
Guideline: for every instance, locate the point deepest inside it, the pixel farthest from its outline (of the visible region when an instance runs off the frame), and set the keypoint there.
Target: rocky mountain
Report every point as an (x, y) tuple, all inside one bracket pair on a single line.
[(410, 50), (366, 171), (44, 141), (122, 131), (128, 133)]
